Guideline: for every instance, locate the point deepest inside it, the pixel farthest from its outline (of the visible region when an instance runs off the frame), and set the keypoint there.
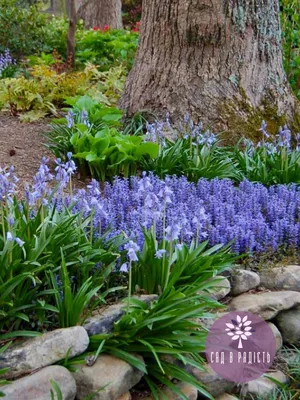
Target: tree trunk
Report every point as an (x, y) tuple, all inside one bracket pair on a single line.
[(100, 13), (218, 60), (71, 34)]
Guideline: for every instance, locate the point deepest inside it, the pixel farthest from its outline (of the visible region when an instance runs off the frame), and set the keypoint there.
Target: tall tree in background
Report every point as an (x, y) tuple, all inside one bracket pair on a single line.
[(71, 32), (219, 60), (100, 13)]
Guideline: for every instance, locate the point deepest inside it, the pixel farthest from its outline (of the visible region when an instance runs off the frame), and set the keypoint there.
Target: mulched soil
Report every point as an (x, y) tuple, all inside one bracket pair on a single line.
[(21, 145)]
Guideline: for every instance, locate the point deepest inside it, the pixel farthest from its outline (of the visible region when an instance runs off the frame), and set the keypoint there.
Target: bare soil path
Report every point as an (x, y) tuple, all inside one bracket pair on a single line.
[(22, 145)]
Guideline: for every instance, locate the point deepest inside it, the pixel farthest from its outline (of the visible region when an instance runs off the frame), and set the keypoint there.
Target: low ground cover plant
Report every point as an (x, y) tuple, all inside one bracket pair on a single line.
[(188, 150), (56, 262), (60, 249), (45, 90), (92, 133)]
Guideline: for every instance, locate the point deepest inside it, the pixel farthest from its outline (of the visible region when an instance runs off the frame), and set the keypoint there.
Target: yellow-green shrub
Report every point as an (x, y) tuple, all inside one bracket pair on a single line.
[(46, 90)]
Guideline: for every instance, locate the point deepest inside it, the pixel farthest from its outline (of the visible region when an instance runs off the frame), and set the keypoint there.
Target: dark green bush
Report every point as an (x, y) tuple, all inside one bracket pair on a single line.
[(290, 21), (22, 29)]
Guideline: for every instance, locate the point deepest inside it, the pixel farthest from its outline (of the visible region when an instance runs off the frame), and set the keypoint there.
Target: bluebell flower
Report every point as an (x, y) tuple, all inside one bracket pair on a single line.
[(9, 237), (70, 119), (10, 220), (172, 232), (160, 253), (132, 248), (85, 118), (263, 129), (19, 241), (124, 267)]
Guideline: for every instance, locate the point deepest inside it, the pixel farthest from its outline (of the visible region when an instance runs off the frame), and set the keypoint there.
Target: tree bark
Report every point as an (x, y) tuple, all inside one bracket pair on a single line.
[(100, 13), (71, 34), (213, 59)]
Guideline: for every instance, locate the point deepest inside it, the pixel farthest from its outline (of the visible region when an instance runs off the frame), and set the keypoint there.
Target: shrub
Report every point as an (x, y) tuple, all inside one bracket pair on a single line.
[(290, 21), (132, 12), (46, 90), (22, 29), (107, 49)]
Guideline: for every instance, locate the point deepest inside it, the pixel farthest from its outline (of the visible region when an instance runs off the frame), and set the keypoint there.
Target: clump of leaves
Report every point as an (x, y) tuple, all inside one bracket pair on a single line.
[(108, 48), (36, 245), (46, 90), (22, 29), (165, 335), (91, 133), (178, 263)]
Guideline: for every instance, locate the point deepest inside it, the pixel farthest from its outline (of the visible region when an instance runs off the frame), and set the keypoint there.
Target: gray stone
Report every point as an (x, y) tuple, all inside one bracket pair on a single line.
[(289, 324), (220, 289), (263, 386), (290, 356), (267, 304), (282, 278), (102, 320), (214, 384), (44, 350), (277, 335), (188, 390), (115, 376), (208, 322), (226, 396), (125, 396), (38, 386), (242, 281)]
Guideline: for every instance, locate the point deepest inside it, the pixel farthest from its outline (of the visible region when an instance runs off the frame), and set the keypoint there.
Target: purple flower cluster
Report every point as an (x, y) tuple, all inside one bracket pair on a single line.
[(5, 61), (8, 182), (283, 140), (160, 130), (74, 117), (254, 217)]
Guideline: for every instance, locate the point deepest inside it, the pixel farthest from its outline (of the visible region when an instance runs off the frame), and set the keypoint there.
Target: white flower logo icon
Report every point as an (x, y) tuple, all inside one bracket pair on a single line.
[(239, 330)]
